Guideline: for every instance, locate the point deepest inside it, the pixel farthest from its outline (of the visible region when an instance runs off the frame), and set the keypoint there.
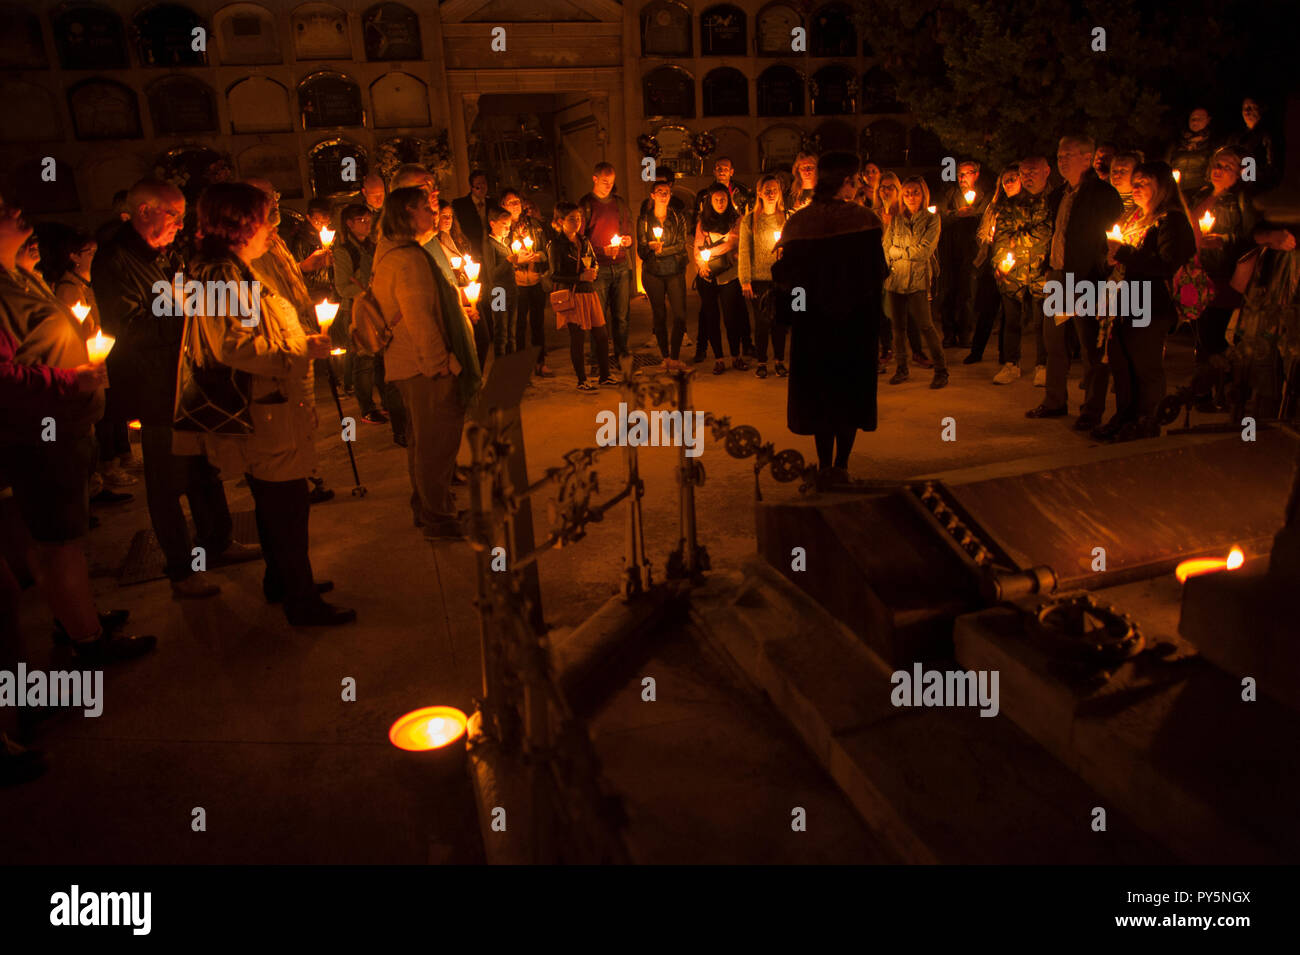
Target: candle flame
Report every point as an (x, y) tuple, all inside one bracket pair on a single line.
[(1115, 234), (325, 313), (472, 269), (516, 245), (455, 261), (81, 310), (931, 209), (1177, 176), (1207, 222), (658, 231), (99, 347), (1009, 261), (776, 235), (616, 240), (326, 236), (969, 195), (430, 727), (528, 242), (338, 351), (704, 255), (472, 292), (1209, 565)]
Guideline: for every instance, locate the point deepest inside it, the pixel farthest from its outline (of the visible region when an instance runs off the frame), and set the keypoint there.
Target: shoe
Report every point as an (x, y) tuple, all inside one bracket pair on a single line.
[(111, 497), (920, 361), (1042, 411), (781, 370), (399, 440), (1086, 422), (972, 359), (585, 385), (116, 477), (109, 648), (607, 382), (719, 366), (761, 370), (740, 364), (1007, 374), (319, 494), (195, 587), (544, 372), (18, 764), (900, 376), (109, 621), (1107, 431), (237, 553), (319, 614), (275, 596), (939, 380), (375, 417), (1040, 376)]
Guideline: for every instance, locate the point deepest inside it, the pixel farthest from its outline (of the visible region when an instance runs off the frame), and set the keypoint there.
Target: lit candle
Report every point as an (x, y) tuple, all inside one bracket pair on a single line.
[(1209, 565), (528, 242), (455, 261), (471, 292), (658, 232), (776, 235), (81, 310), (931, 209), (616, 240), (704, 255), (1178, 176), (338, 351), (99, 347), (969, 196), (326, 236), (1207, 222), (325, 313), (1115, 234), (1008, 262), (516, 246), (472, 269)]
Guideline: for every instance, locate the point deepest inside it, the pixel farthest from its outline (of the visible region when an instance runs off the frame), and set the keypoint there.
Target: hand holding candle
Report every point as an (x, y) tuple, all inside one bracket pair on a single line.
[(528, 242), (1008, 262), (326, 312), (516, 246), (615, 241)]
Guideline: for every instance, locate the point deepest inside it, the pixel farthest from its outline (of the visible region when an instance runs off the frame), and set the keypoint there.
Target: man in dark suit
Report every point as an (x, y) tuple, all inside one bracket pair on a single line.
[(471, 212), (1085, 208)]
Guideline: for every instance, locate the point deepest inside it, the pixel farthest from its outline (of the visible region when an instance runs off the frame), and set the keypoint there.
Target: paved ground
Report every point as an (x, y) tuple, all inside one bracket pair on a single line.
[(241, 715)]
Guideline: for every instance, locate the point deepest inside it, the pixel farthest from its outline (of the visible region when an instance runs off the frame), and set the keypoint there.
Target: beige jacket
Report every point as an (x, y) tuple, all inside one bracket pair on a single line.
[(403, 283)]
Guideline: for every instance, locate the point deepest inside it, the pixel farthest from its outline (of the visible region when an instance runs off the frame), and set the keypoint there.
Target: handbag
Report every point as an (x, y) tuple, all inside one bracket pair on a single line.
[(210, 397), (563, 300), (1192, 290)]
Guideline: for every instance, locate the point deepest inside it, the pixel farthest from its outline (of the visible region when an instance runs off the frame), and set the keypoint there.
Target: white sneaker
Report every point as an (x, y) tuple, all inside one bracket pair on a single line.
[(1040, 376), (1007, 374)]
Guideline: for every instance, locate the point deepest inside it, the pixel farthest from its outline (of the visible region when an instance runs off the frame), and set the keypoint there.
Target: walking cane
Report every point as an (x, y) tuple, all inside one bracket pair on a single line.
[(325, 312)]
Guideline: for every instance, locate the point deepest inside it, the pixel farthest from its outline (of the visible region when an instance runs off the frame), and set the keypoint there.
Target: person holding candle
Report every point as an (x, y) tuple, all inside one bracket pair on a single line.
[(1167, 242), (499, 261), (237, 224), (760, 233), (961, 208), (471, 213), (987, 299), (717, 239), (804, 172), (354, 258), (1226, 221), (432, 357), (573, 269), (836, 331), (888, 203), (661, 240), (315, 259), (1021, 235), (910, 241), (722, 173), (609, 228), (530, 265), (129, 266)]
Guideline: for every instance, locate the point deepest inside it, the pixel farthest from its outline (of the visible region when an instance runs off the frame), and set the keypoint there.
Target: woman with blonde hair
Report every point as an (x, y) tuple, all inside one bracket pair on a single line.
[(804, 170), (910, 240), (760, 231), (886, 206)]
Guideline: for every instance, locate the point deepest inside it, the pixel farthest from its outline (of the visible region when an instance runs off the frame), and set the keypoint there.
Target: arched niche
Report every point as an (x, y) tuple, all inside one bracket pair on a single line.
[(669, 91), (246, 35), (726, 92), (834, 135), (780, 92), (675, 152), (391, 31), (31, 114), (884, 142), (89, 36), (164, 35), (831, 32), (104, 109), (276, 164), (735, 144), (181, 104), (834, 91), (665, 29), (723, 31), (328, 99), (325, 167), (880, 93), (777, 147), (320, 32), (22, 43), (773, 26), (259, 104), (399, 100)]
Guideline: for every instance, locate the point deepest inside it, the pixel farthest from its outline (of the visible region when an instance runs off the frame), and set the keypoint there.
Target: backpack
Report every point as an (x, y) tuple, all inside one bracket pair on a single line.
[(371, 331)]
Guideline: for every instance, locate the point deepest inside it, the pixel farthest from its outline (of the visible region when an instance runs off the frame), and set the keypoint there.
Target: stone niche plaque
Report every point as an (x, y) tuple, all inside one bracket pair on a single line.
[(834, 91), (164, 36), (104, 109), (328, 99), (325, 164), (246, 35), (885, 142), (778, 146), (22, 47), (259, 105), (726, 93), (89, 38), (675, 152), (400, 99), (273, 163), (665, 29), (669, 91), (722, 31), (320, 32), (880, 93), (773, 26), (31, 114), (734, 144), (182, 104), (833, 32), (780, 92), (391, 32)]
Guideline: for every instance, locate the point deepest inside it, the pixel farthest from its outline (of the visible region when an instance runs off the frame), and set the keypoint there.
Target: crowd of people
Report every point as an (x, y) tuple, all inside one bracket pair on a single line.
[(840, 268)]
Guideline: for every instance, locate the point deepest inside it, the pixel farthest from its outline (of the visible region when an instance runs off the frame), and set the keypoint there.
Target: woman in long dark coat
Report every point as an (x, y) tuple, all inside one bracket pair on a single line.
[(827, 286)]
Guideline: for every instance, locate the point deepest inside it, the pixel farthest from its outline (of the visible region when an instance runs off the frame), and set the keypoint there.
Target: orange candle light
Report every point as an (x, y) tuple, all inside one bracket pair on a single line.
[(338, 351), (81, 310), (704, 255), (1207, 222), (776, 235), (431, 727), (472, 292), (658, 232), (616, 240), (1115, 234), (326, 312), (516, 246), (932, 209), (1209, 565), (1178, 176), (326, 236), (528, 242), (969, 196), (1008, 263), (99, 347), (472, 269), (455, 261)]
